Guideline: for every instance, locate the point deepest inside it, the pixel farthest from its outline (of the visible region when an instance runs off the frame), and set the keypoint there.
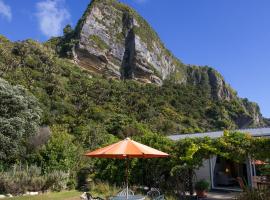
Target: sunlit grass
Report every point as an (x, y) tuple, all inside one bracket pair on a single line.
[(68, 195)]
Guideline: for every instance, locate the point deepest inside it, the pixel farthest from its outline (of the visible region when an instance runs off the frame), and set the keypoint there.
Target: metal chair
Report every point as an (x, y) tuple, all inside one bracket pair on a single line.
[(153, 193), (88, 196), (160, 197), (124, 193)]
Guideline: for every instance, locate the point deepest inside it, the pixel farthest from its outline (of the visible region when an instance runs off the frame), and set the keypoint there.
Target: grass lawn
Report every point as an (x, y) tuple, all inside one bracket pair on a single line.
[(68, 195)]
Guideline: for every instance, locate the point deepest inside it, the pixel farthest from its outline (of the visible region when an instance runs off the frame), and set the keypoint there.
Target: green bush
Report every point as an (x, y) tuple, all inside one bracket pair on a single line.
[(202, 185), (19, 120), (21, 179), (57, 181), (252, 194), (59, 153), (103, 188)]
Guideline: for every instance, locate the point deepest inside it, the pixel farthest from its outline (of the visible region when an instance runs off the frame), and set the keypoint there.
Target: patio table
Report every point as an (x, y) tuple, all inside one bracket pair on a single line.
[(130, 197)]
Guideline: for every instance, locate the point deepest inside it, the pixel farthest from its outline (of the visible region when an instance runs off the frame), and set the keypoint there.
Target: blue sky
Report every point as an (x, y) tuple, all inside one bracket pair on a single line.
[(233, 36)]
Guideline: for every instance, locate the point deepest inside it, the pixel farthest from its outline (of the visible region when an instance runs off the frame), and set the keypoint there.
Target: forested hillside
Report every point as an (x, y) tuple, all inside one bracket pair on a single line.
[(72, 97), (91, 108)]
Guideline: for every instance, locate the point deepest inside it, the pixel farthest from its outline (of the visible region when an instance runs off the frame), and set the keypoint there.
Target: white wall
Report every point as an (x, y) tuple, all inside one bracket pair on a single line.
[(204, 171)]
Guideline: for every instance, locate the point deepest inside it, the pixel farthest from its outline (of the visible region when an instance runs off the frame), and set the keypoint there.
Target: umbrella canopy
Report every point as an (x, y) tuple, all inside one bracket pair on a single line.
[(259, 162), (127, 148)]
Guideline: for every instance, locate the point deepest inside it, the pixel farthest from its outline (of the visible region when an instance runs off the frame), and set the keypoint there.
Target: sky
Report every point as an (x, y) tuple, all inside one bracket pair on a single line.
[(232, 36)]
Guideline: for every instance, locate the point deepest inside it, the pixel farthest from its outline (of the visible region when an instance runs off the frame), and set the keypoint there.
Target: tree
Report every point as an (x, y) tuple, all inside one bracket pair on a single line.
[(235, 146), (67, 30), (189, 154), (19, 120), (60, 153)]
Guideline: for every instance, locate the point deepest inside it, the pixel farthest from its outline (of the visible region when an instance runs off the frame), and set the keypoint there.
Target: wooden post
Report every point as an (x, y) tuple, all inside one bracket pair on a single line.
[(190, 181), (127, 177)]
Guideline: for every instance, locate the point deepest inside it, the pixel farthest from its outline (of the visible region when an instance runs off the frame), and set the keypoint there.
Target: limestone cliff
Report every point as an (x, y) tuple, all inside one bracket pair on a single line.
[(114, 40)]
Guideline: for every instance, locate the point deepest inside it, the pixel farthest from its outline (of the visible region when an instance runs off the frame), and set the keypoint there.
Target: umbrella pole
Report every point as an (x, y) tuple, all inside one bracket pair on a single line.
[(127, 177)]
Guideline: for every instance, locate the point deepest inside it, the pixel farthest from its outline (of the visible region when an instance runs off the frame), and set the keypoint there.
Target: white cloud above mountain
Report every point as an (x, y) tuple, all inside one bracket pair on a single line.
[(5, 10), (52, 16)]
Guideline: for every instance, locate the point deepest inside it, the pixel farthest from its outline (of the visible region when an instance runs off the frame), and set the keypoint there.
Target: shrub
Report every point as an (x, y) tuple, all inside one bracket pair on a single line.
[(202, 185), (103, 188), (254, 195), (19, 120), (57, 181), (20, 179), (59, 153)]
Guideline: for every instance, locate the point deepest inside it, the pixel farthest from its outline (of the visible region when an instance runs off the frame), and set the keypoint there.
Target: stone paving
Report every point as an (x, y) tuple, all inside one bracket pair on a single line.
[(221, 195)]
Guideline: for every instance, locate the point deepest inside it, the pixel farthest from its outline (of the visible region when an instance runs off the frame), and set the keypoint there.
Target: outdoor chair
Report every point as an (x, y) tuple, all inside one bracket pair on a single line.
[(153, 193), (124, 193), (88, 196), (160, 197)]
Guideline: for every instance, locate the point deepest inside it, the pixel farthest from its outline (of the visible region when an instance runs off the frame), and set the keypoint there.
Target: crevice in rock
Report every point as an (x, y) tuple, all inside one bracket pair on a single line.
[(128, 66)]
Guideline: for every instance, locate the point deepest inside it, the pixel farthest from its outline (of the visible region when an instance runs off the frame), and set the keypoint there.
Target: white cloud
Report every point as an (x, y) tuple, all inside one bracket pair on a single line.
[(5, 10), (52, 16)]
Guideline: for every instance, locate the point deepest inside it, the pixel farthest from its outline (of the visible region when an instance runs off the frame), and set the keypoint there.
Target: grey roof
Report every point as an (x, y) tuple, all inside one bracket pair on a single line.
[(255, 132)]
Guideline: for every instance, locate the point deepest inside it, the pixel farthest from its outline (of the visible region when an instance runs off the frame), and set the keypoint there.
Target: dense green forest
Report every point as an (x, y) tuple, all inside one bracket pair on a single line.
[(72, 97), (93, 109)]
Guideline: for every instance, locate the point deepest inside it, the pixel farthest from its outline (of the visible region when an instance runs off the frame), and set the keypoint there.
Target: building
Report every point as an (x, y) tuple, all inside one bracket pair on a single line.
[(220, 172)]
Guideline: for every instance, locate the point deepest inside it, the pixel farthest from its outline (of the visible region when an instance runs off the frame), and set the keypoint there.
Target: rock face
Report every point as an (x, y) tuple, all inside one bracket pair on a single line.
[(254, 117), (211, 80), (113, 40)]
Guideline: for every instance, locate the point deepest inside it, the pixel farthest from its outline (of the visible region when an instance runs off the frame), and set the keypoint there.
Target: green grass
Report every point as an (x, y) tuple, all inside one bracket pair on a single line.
[(69, 195), (99, 42)]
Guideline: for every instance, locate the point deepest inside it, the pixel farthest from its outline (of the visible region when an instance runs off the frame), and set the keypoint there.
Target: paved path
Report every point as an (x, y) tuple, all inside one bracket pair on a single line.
[(221, 195)]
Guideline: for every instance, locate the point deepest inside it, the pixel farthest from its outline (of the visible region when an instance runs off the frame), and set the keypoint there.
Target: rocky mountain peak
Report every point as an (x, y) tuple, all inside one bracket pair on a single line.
[(114, 40)]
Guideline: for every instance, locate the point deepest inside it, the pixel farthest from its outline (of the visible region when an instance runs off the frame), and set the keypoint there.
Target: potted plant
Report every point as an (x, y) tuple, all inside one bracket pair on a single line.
[(201, 188)]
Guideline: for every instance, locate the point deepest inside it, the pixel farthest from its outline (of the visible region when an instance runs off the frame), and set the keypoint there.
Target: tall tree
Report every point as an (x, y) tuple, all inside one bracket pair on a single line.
[(19, 120)]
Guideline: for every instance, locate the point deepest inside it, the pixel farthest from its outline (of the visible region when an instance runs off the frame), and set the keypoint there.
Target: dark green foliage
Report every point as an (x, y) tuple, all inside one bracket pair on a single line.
[(19, 120), (202, 185), (262, 144), (69, 96), (63, 45), (60, 153)]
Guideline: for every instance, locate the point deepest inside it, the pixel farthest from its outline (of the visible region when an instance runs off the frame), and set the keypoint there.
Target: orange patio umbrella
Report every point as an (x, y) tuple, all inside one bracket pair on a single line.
[(259, 162), (126, 149)]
